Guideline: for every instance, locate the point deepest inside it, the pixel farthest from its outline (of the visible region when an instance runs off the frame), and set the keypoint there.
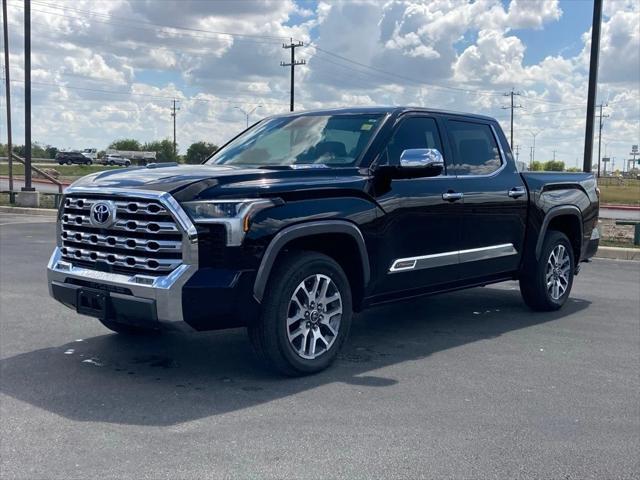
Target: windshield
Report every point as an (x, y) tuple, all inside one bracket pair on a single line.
[(313, 140)]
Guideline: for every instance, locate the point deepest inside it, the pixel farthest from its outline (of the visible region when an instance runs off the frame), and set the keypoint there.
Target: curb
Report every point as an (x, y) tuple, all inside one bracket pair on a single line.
[(618, 253), (45, 212), (619, 207)]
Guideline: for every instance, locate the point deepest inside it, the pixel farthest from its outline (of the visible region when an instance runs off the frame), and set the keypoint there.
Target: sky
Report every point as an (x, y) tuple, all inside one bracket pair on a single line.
[(104, 70)]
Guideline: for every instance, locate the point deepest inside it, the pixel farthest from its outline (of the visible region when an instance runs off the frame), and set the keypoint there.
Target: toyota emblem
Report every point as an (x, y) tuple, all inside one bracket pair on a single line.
[(103, 214)]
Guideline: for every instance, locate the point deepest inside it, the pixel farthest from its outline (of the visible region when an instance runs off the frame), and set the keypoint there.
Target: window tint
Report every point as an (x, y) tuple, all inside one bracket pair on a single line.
[(413, 132), (475, 148)]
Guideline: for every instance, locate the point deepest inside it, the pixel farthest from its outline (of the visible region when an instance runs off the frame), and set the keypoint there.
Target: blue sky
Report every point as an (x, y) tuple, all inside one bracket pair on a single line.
[(358, 52)]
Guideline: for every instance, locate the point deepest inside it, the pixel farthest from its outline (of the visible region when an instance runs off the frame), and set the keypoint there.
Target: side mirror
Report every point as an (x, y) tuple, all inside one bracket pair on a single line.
[(416, 163), (430, 158)]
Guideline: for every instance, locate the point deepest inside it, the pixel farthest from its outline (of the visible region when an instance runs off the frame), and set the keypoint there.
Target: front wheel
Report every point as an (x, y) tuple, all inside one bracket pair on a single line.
[(88, 162), (545, 285), (306, 315)]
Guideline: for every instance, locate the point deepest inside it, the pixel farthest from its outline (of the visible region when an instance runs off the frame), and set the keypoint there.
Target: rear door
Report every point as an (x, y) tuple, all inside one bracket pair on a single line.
[(420, 231), (495, 199)]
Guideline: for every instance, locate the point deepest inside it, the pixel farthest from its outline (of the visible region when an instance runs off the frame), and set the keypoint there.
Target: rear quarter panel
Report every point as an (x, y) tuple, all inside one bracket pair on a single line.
[(551, 190)]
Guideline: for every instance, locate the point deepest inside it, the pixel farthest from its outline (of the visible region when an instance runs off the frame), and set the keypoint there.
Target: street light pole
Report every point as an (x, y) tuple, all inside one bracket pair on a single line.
[(247, 114), (533, 149), (27, 97), (7, 78)]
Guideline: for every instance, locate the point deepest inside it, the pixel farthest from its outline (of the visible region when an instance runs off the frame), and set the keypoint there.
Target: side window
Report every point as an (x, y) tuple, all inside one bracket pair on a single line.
[(413, 132), (474, 147)]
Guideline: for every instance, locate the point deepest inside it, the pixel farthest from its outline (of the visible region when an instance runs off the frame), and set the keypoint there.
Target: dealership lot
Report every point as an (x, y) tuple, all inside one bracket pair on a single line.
[(464, 385)]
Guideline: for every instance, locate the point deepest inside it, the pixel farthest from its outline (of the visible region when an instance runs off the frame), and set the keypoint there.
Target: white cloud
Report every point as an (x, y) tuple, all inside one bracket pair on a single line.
[(127, 46)]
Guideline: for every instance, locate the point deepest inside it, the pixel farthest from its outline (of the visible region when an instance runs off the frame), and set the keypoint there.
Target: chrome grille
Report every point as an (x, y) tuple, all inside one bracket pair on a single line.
[(145, 238)]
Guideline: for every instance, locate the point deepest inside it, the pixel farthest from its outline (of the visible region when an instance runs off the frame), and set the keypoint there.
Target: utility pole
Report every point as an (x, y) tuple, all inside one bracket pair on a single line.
[(7, 79), (593, 85), (292, 64), (511, 94), (601, 116), (27, 97), (517, 149), (554, 155), (173, 114)]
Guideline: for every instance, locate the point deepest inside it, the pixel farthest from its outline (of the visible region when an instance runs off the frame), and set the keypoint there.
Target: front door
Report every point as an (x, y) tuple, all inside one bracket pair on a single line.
[(419, 232)]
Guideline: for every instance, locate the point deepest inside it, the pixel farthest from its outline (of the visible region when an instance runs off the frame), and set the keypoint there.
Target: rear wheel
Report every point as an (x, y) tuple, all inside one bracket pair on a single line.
[(88, 162), (112, 163), (306, 315), (546, 284)]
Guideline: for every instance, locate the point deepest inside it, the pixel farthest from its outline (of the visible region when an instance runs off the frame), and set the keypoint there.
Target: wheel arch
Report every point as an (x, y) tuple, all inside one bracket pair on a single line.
[(313, 236), (566, 219)]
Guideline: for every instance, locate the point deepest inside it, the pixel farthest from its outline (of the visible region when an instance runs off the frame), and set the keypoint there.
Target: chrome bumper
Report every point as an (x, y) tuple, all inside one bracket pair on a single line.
[(165, 291)]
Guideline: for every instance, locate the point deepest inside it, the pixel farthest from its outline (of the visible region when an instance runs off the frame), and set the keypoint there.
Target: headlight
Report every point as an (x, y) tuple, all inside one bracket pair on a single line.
[(235, 214)]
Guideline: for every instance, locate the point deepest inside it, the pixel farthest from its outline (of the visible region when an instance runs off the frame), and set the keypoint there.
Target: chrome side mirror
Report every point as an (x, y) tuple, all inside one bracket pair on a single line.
[(421, 158)]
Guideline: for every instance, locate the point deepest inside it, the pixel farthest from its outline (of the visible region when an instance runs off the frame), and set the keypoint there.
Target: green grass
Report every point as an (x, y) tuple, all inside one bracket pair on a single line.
[(67, 172), (620, 194)]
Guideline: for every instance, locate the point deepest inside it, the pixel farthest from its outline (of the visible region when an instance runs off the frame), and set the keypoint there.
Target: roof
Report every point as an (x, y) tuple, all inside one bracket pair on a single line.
[(383, 110)]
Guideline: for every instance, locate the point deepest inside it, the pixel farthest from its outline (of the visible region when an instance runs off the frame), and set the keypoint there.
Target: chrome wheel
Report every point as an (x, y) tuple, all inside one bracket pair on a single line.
[(557, 272), (314, 315)]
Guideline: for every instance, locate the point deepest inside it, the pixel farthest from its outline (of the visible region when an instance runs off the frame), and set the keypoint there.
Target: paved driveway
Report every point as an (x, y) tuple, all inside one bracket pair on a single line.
[(464, 385)]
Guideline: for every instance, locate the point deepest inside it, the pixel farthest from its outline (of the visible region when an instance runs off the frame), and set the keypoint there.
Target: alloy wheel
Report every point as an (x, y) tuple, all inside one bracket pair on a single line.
[(313, 316), (557, 272)]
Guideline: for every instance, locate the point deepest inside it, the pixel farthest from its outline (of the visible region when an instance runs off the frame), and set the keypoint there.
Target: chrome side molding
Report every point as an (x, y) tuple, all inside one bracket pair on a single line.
[(451, 258)]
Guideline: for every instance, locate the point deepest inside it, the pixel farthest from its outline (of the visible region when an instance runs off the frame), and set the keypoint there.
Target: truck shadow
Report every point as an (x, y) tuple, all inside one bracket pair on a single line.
[(179, 377)]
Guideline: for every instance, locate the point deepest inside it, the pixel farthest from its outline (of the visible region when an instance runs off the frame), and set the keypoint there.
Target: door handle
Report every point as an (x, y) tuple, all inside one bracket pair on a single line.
[(452, 196), (516, 192)]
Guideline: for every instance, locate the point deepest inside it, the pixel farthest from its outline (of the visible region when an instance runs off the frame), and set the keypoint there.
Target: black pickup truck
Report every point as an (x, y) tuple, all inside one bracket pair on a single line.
[(305, 218)]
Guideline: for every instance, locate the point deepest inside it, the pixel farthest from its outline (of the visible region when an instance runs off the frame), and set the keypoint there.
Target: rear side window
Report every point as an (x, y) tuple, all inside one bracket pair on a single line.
[(474, 147), (413, 132)]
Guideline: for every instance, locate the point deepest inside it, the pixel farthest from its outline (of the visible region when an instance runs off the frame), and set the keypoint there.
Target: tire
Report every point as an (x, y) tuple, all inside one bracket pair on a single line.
[(556, 262), (88, 162), (270, 334), (112, 163), (127, 164), (125, 329)]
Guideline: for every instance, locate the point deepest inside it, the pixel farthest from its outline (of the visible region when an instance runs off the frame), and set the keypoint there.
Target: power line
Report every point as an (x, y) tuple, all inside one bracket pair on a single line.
[(293, 64), (403, 77), (96, 90), (138, 23)]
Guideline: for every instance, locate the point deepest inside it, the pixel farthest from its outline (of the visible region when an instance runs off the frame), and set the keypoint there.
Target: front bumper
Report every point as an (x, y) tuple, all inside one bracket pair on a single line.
[(592, 244), (165, 293), (204, 299)]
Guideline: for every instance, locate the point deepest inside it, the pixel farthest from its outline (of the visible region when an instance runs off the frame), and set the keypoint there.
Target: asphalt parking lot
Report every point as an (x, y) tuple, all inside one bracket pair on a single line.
[(464, 385)]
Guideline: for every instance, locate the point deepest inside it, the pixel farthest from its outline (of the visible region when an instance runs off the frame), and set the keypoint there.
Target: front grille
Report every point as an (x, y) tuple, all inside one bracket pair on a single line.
[(144, 239)]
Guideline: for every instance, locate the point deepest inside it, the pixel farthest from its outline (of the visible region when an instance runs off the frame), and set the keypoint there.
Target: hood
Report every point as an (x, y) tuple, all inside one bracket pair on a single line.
[(197, 182)]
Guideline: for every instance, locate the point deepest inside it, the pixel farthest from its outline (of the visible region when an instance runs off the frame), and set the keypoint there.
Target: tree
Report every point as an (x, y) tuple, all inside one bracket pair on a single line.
[(51, 151), (199, 152), (127, 144), (536, 166), (163, 149), (554, 166)]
